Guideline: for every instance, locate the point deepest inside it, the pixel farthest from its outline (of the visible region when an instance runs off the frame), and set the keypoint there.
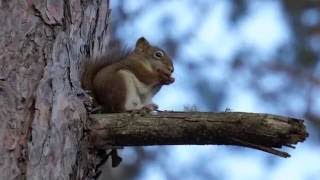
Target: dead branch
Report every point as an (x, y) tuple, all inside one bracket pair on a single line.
[(264, 132)]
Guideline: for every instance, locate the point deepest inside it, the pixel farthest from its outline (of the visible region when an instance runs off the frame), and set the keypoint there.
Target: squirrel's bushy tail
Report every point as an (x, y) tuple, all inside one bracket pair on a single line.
[(92, 66)]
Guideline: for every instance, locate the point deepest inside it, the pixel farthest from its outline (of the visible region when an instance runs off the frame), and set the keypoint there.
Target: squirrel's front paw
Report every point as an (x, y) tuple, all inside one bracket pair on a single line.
[(151, 107)]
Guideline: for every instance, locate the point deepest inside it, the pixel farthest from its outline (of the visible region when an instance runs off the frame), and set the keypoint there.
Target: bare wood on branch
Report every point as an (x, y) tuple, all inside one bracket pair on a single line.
[(264, 132)]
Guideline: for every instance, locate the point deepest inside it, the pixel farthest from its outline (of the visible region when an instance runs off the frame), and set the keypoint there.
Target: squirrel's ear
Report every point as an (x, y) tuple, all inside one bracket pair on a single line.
[(142, 44)]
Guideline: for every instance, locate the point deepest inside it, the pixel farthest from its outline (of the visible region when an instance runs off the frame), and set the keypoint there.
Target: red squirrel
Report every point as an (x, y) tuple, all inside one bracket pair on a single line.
[(131, 80)]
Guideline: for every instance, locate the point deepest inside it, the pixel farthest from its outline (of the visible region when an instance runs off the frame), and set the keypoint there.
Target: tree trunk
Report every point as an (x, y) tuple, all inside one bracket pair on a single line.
[(41, 47)]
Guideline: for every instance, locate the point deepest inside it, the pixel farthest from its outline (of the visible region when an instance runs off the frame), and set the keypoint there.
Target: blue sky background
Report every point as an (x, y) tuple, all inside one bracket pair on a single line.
[(262, 31)]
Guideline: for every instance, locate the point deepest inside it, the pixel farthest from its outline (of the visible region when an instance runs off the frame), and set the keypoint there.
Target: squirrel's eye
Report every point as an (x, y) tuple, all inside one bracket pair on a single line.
[(158, 54)]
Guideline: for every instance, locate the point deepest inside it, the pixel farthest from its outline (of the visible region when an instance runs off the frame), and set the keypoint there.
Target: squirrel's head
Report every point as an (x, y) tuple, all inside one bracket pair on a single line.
[(158, 58)]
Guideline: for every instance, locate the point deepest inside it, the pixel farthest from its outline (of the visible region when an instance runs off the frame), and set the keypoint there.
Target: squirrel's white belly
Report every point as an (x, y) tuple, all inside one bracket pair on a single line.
[(138, 94)]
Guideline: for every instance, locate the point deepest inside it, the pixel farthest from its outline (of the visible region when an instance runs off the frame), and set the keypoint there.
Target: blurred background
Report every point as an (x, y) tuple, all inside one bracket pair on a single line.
[(252, 56)]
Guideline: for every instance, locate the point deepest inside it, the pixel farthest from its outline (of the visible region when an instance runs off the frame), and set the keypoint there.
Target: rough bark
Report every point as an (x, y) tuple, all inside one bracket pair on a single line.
[(41, 47), (259, 131)]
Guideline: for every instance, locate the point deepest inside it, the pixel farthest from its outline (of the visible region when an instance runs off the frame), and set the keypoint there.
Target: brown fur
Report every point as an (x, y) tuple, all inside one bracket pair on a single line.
[(93, 66), (103, 79)]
